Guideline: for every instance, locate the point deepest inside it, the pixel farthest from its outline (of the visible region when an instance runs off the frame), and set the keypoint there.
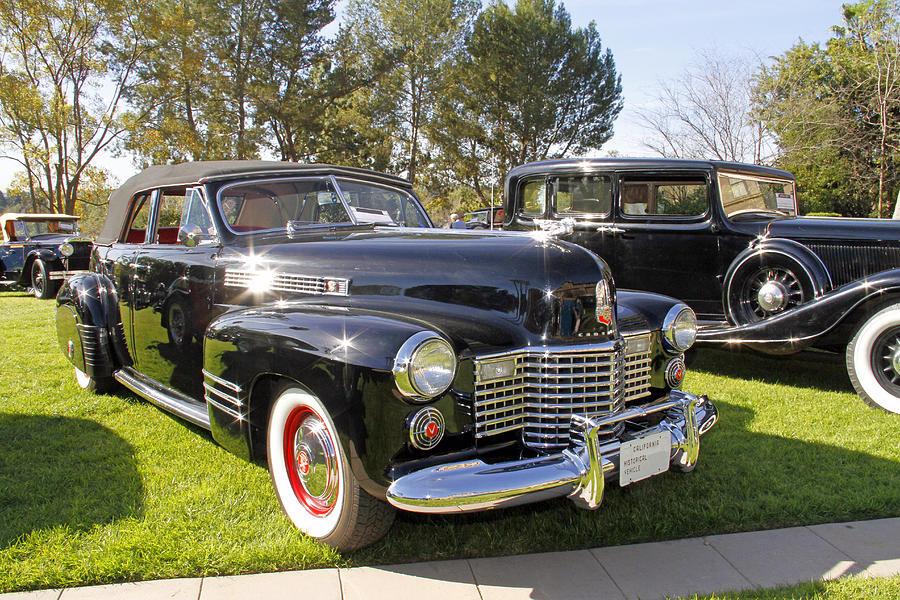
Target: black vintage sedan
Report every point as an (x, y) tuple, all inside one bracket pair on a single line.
[(725, 238), (38, 251), (311, 316)]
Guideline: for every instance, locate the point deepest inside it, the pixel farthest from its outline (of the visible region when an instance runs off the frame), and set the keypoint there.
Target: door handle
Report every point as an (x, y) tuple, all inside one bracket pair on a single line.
[(610, 229)]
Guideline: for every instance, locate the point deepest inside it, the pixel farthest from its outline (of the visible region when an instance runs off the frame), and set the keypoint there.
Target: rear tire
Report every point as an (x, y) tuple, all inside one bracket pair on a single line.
[(312, 477), (41, 285), (873, 359)]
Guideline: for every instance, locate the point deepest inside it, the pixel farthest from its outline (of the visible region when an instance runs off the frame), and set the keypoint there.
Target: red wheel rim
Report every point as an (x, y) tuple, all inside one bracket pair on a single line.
[(311, 461)]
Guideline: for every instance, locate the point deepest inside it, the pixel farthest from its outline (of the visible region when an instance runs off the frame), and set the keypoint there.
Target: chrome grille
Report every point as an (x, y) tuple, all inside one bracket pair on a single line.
[(288, 282), (637, 376), (549, 385), (847, 262)]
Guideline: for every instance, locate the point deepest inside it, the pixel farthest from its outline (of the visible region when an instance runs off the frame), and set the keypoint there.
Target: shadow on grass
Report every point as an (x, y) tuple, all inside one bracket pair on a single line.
[(63, 472), (824, 371), (745, 481)]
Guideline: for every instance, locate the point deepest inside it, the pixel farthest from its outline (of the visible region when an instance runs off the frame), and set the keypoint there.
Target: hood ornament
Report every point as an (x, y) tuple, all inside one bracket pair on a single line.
[(556, 226)]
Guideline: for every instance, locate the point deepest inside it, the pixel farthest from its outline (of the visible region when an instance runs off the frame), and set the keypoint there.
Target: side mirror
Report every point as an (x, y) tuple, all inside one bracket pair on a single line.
[(189, 235)]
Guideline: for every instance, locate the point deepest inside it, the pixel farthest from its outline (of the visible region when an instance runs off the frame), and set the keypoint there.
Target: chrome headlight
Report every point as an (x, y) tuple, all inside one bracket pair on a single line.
[(424, 366), (66, 249), (679, 328)]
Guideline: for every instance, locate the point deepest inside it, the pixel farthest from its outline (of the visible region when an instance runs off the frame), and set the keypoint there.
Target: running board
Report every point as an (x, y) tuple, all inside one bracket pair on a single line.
[(165, 398)]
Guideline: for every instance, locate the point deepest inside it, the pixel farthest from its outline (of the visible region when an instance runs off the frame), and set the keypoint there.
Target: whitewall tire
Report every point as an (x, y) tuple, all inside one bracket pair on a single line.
[(312, 477), (873, 359)]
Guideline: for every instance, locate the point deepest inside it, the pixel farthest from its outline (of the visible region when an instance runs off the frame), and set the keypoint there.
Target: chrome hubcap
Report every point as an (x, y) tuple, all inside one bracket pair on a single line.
[(771, 296), (895, 361), (315, 462)]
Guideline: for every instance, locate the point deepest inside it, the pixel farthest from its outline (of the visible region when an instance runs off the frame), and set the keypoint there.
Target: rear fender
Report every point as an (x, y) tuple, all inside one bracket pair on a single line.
[(343, 356), (88, 325)]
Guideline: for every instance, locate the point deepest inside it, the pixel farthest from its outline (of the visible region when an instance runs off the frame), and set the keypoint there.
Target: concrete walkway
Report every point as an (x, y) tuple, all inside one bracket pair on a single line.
[(718, 563)]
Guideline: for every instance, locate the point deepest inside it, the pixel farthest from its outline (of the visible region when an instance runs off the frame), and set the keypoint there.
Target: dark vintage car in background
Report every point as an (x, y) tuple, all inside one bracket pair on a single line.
[(311, 315), (724, 237), (484, 218), (38, 251)]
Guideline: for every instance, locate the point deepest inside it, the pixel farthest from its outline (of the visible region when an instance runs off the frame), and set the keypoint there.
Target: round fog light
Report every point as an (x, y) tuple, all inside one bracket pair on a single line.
[(426, 428), (675, 372)]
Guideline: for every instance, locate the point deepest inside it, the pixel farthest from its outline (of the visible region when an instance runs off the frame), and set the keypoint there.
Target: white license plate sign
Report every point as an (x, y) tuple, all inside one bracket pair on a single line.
[(644, 457)]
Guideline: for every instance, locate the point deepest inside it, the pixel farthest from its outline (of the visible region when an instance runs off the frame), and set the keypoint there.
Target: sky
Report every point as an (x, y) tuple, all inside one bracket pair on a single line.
[(653, 41)]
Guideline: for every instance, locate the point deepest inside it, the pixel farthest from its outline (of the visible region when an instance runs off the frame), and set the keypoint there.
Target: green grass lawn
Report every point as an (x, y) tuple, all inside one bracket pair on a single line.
[(99, 489)]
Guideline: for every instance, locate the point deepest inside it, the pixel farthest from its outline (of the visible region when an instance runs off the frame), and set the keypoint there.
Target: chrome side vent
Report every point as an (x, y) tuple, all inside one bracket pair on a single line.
[(287, 282), (224, 395)]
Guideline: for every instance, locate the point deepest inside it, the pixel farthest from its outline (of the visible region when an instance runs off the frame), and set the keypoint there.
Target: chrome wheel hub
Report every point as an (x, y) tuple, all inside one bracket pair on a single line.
[(772, 296), (316, 462)]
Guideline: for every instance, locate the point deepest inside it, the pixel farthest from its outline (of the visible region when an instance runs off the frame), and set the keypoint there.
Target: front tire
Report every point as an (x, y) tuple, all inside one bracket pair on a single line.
[(312, 477), (873, 359), (41, 285)]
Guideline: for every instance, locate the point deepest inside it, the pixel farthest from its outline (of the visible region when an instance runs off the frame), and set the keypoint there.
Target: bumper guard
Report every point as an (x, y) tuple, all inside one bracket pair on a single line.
[(578, 472)]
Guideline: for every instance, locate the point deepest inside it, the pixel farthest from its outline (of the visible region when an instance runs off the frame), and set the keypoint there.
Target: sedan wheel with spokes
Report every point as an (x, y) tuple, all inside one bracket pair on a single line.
[(766, 287)]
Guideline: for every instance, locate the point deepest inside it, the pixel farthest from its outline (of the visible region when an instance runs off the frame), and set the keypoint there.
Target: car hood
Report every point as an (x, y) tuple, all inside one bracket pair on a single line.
[(825, 228), (537, 283)]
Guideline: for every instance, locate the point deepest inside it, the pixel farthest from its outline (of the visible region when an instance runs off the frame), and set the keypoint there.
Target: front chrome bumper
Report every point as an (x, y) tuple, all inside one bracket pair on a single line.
[(578, 472)]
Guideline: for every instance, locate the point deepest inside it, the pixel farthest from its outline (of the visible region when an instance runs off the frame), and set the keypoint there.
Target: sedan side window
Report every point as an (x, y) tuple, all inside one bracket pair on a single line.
[(583, 194), (676, 198), (534, 197)]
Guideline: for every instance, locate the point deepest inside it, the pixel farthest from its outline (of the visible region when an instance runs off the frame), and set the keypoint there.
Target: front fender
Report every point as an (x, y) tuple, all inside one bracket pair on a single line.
[(342, 355), (800, 327), (88, 326)]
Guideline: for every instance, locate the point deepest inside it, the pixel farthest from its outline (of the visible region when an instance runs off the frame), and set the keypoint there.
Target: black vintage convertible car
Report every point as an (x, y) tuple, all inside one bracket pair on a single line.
[(38, 251), (725, 238), (311, 315)]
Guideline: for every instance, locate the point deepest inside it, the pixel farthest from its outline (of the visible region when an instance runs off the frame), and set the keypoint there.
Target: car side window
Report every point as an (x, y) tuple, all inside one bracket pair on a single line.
[(534, 197), (583, 194), (136, 232), (670, 197), (172, 203)]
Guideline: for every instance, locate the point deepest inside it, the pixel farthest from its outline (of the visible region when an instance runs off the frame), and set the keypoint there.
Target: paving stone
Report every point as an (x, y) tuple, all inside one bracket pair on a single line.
[(321, 584), (550, 576), (443, 579), (666, 569), (875, 545), (165, 589), (37, 595), (782, 556)]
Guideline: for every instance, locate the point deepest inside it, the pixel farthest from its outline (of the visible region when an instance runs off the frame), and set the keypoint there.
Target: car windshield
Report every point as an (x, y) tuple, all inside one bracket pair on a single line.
[(743, 194), (30, 229), (272, 204)]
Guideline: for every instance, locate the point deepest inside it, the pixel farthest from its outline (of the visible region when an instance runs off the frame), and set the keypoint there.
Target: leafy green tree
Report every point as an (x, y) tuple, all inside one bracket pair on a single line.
[(60, 94), (426, 36), (835, 110), (530, 87)]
